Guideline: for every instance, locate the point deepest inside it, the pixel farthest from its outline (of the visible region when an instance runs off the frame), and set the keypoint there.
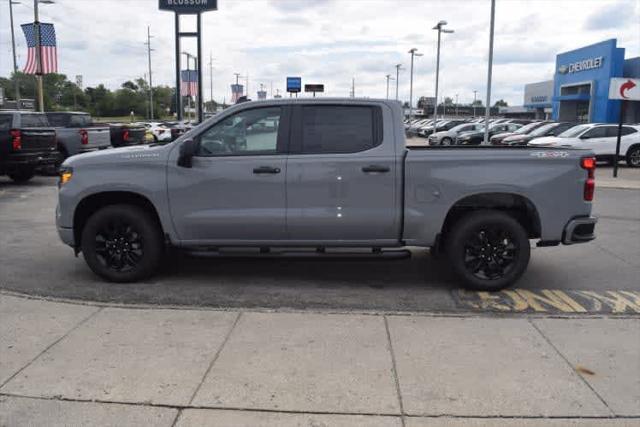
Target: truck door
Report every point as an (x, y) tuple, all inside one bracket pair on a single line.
[(235, 189), (342, 175)]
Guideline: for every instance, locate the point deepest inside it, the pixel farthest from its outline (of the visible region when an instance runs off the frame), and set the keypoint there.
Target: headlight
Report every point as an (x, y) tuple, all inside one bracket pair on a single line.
[(66, 173)]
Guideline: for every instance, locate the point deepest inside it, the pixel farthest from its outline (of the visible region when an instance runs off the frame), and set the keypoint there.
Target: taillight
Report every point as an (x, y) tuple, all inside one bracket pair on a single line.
[(16, 139), (589, 163), (84, 137), (125, 135)]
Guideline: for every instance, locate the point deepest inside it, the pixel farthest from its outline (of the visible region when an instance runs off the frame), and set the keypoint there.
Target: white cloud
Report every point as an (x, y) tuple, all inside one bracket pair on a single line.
[(330, 41)]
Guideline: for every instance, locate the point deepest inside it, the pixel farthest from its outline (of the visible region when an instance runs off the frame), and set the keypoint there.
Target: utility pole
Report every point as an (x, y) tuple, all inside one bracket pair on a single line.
[(36, 25), (388, 76), (456, 105), (413, 53), (487, 108), (353, 87), (15, 62), (148, 43), (247, 80), (398, 68)]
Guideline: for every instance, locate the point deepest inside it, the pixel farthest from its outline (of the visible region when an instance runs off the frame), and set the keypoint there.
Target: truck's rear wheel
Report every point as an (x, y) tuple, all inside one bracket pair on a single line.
[(22, 175), (488, 250), (122, 243)]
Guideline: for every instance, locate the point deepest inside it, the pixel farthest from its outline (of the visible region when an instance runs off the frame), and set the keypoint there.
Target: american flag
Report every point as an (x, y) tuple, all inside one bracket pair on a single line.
[(48, 48), (189, 86)]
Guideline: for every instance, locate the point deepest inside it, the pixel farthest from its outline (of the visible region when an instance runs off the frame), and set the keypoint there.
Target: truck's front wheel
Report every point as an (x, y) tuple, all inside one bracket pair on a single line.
[(122, 243), (488, 250)]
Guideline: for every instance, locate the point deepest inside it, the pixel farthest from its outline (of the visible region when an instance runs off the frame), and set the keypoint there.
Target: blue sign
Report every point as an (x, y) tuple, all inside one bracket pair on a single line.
[(294, 84)]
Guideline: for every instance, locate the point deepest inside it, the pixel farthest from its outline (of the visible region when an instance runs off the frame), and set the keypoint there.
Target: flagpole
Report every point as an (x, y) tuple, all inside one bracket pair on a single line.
[(36, 26), (15, 62)]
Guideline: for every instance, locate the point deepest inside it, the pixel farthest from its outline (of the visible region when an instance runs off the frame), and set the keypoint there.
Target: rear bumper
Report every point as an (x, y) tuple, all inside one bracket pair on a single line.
[(21, 160), (579, 230)]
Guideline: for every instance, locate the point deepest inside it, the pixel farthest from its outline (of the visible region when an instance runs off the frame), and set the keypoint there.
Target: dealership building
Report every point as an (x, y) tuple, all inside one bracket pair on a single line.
[(580, 87)]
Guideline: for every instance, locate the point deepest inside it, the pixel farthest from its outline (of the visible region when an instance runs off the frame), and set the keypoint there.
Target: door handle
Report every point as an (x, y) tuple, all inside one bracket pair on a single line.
[(375, 168), (266, 169)]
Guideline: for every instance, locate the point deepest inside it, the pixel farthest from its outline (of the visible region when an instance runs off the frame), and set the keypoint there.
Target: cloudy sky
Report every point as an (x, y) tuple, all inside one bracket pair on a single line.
[(331, 41)]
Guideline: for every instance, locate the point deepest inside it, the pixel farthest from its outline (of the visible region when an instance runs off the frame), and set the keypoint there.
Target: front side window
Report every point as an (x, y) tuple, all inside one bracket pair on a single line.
[(339, 129), (599, 132), (250, 132)]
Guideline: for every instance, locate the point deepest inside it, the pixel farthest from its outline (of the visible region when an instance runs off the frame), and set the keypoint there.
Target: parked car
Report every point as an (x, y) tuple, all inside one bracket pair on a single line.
[(27, 142), (549, 129), (448, 137), (599, 138), (77, 133), (524, 130), (124, 134), (442, 125), (476, 137), (335, 174)]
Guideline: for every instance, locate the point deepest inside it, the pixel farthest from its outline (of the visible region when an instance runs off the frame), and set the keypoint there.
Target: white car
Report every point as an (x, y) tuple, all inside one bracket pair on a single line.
[(161, 133), (447, 137), (600, 138)]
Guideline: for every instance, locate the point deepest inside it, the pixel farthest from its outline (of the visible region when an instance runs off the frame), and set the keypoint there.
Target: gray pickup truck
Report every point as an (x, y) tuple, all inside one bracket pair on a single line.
[(77, 133), (320, 178)]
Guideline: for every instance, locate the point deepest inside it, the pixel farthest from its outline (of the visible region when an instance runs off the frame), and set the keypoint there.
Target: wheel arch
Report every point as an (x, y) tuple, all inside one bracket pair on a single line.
[(516, 205), (92, 203)]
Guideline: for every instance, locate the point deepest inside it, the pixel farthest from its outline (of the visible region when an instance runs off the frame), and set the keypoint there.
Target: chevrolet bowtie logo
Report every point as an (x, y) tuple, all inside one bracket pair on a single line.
[(563, 69)]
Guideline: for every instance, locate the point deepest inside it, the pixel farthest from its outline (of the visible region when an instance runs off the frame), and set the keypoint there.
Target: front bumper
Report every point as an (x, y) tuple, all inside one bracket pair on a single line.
[(66, 234), (579, 230)]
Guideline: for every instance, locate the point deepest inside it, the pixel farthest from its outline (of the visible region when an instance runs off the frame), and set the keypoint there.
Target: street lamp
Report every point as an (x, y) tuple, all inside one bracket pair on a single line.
[(440, 30), (413, 53), (398, 68), (474, 103), (388, 76), (487, 107)]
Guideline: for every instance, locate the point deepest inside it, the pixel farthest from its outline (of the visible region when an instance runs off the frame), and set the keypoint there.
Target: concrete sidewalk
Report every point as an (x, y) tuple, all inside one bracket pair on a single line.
[(68, 364)]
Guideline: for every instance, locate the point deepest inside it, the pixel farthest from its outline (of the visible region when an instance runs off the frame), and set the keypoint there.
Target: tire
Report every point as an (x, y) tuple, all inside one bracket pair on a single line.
[(633, 157), (122, 243), (446, 141), (23, 175), (488, 232)]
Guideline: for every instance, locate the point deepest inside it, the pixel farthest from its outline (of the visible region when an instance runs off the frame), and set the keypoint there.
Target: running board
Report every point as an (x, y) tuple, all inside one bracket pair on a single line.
[(390, 254)]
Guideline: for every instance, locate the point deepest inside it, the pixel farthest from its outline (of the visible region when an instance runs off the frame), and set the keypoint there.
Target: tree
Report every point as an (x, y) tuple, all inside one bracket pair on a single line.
[(477, 103), (501, 103)]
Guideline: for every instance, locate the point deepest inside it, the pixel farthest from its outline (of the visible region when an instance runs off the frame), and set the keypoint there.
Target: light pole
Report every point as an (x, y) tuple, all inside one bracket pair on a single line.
[(487, 108), (13, 47), (440, 30), (474, 103), (398, 68), (36, 25), (388, 76), (456, 105), (211, 78), (148, 43), (413, 53)]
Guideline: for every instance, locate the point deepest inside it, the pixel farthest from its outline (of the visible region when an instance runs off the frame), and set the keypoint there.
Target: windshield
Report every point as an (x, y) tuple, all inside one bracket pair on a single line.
[(543, 129), (526, 129), (574, 131)]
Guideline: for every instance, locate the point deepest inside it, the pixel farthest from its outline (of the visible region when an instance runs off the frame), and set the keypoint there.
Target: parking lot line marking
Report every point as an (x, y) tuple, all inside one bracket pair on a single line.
[(551, 301)]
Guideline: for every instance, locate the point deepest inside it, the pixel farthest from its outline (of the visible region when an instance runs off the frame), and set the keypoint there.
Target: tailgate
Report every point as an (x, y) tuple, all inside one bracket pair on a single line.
[(38, 139), (98, 137), (136, 135)]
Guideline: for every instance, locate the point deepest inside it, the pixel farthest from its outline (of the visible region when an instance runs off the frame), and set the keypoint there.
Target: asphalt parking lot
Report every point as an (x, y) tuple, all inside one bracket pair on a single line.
[(599, 277)]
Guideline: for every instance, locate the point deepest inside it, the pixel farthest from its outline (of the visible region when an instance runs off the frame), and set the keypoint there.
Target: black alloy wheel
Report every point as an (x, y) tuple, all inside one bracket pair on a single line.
[(122, 243), (633, 157), (489, 250)]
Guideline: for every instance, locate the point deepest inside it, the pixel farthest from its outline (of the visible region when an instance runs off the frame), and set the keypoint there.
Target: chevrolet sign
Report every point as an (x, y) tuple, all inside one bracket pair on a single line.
[(584, 65), (188, 6)]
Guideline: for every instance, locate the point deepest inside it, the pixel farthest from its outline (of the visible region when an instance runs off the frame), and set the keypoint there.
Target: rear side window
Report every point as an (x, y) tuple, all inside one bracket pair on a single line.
[(58, 120), (340, 129), (33, 121), (6, 121), (79, 120), (626, 130)]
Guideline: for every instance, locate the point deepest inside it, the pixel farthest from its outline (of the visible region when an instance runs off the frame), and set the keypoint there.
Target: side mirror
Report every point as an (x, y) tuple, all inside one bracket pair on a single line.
[(188, 149)]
